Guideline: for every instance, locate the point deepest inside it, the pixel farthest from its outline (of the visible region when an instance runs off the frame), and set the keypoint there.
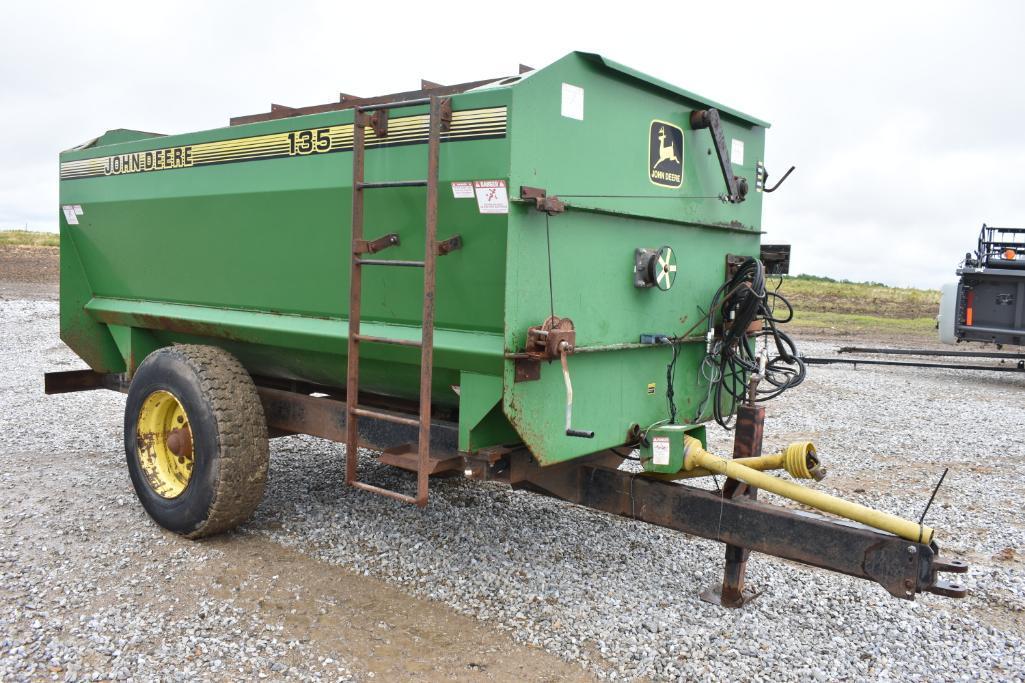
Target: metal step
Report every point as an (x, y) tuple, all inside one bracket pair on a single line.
[(405, 457)]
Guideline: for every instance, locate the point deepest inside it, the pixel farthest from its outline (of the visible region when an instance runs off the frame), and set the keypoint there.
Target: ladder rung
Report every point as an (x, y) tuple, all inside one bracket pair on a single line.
[(395, 105), (391, 183), (389, 493), (389, 262), (387, 340), (388, 417)]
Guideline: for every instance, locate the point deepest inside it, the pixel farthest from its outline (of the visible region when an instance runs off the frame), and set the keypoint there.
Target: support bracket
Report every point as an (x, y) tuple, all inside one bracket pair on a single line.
[(542, 202), (453, 243), (379, 122), (379, 244)]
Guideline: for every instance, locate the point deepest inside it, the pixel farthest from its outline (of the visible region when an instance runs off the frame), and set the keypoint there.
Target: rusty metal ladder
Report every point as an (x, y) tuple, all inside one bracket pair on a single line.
[(439, 108)]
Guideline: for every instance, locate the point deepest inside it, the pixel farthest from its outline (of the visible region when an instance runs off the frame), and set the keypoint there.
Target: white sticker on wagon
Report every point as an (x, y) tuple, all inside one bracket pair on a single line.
[(491, 196), (462, 190), (70, 215), (737, 152), (572, 101), (660, 450)]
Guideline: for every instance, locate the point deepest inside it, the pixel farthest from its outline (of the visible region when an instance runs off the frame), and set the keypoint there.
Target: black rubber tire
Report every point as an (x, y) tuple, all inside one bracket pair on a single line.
[(229, 434)]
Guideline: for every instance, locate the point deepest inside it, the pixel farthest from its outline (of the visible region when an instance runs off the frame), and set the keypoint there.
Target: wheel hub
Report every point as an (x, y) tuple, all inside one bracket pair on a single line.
[(164, 444)]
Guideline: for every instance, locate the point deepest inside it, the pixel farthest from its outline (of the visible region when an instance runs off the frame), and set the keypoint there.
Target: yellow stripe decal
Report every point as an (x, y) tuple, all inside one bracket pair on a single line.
[(474, 124)]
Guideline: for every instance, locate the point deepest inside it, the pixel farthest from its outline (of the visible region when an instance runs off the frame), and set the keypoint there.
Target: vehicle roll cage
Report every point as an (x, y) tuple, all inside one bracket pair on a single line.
[(994, 243)]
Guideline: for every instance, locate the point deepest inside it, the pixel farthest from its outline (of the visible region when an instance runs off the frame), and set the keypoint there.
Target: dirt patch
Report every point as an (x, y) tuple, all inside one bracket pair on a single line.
[(29, 264), (332, 614), (29, 272), (401, 637)]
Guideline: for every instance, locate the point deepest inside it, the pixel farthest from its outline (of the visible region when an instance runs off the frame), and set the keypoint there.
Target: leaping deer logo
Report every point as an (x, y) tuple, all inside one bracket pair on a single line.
[(665, 152)]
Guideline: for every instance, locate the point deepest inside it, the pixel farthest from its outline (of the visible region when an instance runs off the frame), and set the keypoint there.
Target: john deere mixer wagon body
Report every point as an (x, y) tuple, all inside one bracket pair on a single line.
[(516, 278)]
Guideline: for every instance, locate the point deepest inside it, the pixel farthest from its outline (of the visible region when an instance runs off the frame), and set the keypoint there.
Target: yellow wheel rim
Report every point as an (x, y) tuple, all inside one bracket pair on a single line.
[(164, 444)]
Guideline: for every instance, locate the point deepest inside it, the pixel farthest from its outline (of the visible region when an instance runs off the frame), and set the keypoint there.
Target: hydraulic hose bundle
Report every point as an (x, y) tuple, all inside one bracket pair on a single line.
[(734, 365)]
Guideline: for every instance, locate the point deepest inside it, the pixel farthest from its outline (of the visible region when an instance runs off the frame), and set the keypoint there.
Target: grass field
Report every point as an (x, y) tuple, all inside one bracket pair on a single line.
[(28, 238), (821, 304), (860, 307)]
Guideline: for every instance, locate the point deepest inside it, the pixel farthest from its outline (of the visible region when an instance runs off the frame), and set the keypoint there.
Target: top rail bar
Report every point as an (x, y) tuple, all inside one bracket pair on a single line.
[(389, 100), (401, 104)]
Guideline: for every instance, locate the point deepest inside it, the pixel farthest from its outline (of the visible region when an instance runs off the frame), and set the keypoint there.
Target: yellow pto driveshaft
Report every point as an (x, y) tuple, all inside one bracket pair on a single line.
[(696, 457), (799, 460)]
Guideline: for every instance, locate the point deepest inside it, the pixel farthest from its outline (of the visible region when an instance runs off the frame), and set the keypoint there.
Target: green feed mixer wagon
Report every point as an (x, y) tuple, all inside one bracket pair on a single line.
[(526, 279)]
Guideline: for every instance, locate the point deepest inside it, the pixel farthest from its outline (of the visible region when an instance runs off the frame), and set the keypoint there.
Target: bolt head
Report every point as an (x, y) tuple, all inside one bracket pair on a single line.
[(912, 550)]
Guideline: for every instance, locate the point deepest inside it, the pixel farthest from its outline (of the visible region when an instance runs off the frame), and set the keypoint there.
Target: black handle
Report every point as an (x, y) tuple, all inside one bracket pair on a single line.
[(785, 176), (580, 433)]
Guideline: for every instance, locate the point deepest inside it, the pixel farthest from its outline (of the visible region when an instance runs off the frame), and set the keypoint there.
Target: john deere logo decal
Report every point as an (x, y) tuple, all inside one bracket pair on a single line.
[(665, 154)]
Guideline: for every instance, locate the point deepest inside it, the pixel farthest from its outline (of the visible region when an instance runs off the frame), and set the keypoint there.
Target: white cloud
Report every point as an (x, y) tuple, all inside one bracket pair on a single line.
[(904, 119)]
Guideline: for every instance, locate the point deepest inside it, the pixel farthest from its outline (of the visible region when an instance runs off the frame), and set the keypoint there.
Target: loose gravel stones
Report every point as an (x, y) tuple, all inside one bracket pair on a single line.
[(618, 598)]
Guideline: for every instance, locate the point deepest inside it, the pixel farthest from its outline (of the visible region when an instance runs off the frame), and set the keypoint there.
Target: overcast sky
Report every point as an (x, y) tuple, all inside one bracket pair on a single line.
[(905, 120)]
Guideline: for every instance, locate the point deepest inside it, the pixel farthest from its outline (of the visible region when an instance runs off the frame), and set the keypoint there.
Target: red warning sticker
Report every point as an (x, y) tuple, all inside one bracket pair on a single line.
[(462, 190), (492, 196)]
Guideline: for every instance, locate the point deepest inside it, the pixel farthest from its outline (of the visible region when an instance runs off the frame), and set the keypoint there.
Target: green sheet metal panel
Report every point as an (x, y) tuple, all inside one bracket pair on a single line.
[(268, 234), (605, 152), (240, 236)]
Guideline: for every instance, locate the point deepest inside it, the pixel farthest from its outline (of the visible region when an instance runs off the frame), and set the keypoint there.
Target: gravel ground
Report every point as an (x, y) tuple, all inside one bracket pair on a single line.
[(616, 597)]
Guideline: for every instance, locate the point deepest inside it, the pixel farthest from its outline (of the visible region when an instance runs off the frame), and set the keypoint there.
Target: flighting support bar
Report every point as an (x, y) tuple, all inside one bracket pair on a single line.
[(696, 456)]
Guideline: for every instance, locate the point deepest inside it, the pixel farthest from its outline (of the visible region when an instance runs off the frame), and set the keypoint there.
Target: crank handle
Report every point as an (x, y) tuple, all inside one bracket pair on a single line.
[(563, 349), (780, 181)]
